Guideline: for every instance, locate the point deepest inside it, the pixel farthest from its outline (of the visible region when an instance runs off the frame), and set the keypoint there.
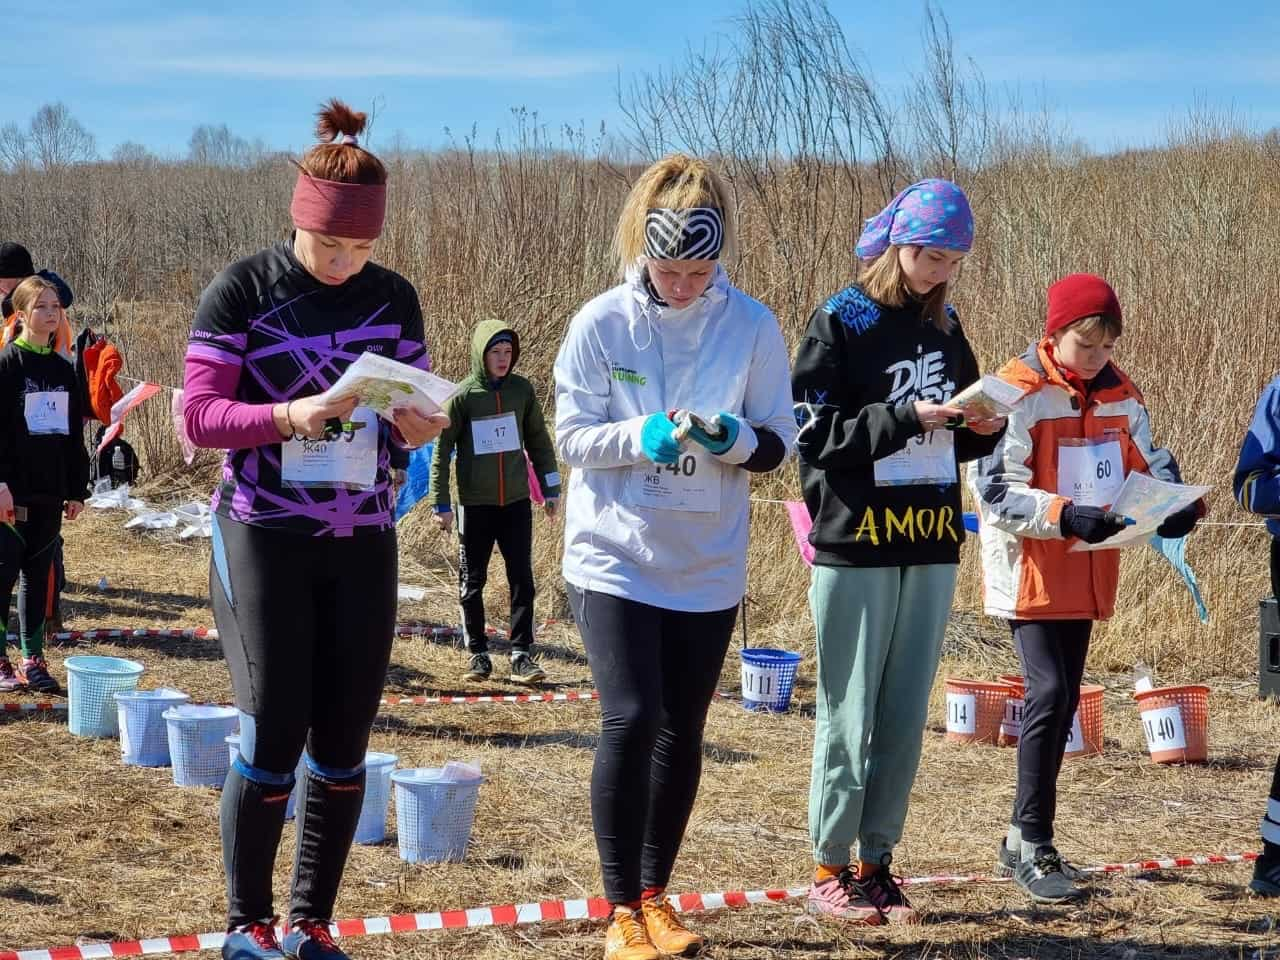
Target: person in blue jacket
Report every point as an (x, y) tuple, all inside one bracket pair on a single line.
[(1257, 487)]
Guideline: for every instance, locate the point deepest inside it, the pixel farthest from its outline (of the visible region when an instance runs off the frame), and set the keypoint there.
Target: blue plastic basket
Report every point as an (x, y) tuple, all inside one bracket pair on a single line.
[(372, 826), (198, 743), (767, 678), (144, 735), (433, 817), (91, 684)]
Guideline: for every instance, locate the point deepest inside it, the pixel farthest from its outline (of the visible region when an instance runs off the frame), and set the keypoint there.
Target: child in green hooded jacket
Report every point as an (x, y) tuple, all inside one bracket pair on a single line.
[(494, 419)]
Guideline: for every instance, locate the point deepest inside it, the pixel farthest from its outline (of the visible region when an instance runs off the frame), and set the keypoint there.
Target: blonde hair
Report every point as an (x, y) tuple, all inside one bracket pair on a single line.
[(676, 182), (885, 282), (24, 298), (1108, 326)]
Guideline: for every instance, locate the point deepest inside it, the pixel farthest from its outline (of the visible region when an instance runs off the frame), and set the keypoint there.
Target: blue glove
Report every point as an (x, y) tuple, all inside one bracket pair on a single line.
[(722, 441), (657, 439)]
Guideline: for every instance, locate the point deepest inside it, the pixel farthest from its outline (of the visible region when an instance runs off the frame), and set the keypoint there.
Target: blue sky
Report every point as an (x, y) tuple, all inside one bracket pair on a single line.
[(1116, 73)]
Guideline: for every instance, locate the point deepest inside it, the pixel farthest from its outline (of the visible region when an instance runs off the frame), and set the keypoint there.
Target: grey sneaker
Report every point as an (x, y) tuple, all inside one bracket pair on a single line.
[(525, 670), (1266, 877), (1007, 863), (1042, 879), (479, 669)]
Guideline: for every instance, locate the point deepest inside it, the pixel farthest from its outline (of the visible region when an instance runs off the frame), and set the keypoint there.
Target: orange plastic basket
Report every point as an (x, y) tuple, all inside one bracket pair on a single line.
[(1176, 723), (974, 710), (1011, 722), (1086, 725)]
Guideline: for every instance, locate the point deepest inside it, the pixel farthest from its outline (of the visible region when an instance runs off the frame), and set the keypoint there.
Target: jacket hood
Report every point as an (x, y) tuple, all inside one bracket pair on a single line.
[(485, 331)]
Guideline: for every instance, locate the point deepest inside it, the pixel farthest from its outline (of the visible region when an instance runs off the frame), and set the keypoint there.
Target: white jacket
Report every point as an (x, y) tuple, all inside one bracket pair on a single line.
[(624, 358)]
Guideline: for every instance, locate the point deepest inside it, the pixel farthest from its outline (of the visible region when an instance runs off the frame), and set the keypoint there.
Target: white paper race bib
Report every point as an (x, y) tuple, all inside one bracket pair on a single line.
[(927, 459), (350, 461), (1011, 723), (1164, 728), (495, 434), (692, 483), (48, 412), (1090, 473)]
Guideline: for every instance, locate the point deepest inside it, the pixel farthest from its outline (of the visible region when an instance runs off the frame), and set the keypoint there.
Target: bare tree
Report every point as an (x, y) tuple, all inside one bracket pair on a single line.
[(216, 146), (132, 152), (15, 151), (58, 139), (948, 105)]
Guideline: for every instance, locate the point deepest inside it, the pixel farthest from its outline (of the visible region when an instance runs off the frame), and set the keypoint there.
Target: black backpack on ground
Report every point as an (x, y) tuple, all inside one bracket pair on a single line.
[(117, 461)]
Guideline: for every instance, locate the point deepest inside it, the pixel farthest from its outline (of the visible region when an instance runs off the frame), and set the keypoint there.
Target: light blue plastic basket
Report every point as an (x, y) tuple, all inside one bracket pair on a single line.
[(767, 678), (433, 817), (144, 735), (91, 684), (372, 826), (198, 743), (291, 805)]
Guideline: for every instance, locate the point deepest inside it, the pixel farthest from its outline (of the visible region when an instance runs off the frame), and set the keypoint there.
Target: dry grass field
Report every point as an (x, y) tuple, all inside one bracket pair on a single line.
[(94, 850)]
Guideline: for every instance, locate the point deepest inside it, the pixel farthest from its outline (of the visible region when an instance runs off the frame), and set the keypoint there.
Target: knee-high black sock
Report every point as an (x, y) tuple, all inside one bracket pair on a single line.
[(328, 811), (252, 816)]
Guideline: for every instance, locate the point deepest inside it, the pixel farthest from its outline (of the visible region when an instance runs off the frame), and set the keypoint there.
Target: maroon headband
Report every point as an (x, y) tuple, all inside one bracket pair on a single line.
[(353, 210)]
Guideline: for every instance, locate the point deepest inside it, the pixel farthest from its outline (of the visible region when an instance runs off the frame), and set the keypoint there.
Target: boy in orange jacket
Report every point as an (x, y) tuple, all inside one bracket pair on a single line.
[(1079, 429)]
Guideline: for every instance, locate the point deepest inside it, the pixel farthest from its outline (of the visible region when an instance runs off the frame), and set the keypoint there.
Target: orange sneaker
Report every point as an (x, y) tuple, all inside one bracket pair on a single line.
[(666, 932), (626, 938)]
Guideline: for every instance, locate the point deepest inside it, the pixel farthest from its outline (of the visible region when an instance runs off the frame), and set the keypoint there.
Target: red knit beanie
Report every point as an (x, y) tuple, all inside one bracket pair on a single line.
[(1078, 296)]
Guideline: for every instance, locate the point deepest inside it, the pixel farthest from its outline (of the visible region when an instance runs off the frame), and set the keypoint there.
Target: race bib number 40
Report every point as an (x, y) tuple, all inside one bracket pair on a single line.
[(927, 459), (692, 483), (349, 461), (47, 412), (1090, 473)]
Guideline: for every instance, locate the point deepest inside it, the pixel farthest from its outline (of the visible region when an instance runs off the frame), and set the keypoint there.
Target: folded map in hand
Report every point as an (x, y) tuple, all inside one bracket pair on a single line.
[(987, 399), (386, 386)]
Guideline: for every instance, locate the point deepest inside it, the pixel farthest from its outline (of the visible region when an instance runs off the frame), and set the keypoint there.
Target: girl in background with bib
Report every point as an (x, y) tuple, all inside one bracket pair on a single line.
[(493, 419), (874, 373), (656, 517), (1079, 429), (304, 570), (44, 471)]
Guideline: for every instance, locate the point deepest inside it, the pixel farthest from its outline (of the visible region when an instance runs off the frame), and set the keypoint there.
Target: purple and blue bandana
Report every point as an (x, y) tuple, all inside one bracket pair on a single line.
[(930, 213)]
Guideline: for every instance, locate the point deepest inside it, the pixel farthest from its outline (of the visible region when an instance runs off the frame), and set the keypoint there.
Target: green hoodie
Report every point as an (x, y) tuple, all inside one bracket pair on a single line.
[(481, 415)]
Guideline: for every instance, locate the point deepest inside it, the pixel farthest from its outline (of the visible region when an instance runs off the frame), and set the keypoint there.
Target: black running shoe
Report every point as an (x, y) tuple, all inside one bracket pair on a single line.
[(479, 669), (525, 670)]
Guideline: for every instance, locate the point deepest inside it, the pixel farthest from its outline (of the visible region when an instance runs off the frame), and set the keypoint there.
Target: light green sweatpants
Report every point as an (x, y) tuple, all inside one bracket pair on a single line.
[(879, 639)]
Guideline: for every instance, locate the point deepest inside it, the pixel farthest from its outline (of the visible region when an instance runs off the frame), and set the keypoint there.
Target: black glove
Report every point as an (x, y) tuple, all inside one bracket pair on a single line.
[(1090, 524), (1178, 525)]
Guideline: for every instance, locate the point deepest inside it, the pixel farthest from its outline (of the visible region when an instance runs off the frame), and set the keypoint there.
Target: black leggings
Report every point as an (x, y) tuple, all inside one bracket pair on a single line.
[(27, 547), (1053, 653), (656, 671), (306, 625), (511, 528)]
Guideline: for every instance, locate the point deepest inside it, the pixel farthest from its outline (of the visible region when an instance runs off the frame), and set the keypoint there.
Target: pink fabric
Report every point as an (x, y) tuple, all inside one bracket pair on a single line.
[(213, 419), (352, 210), (801, 524), (535, 488)]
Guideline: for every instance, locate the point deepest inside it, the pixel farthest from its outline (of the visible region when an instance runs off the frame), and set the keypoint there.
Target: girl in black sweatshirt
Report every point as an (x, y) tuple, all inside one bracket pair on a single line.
[(44, 471)]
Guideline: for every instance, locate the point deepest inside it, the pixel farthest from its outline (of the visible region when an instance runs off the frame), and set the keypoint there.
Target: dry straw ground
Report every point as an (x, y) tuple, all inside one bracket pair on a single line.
[(93, 850)]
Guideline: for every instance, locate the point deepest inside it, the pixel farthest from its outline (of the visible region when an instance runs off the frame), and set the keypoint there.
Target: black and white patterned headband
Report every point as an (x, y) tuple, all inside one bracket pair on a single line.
[(693, 234)]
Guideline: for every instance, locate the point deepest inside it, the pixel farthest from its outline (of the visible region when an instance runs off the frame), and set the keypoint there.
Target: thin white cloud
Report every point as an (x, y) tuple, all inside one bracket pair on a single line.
[(275, 45)]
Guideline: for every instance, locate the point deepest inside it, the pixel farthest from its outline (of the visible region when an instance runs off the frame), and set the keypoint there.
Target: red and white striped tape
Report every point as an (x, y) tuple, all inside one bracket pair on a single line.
[(46, 707), (550, 911), (466, 699)]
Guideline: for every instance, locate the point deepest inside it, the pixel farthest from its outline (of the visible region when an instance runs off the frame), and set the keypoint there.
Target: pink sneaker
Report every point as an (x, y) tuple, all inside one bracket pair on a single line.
[(9, 681), (841, 897), (881, 888), (35, 674)]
